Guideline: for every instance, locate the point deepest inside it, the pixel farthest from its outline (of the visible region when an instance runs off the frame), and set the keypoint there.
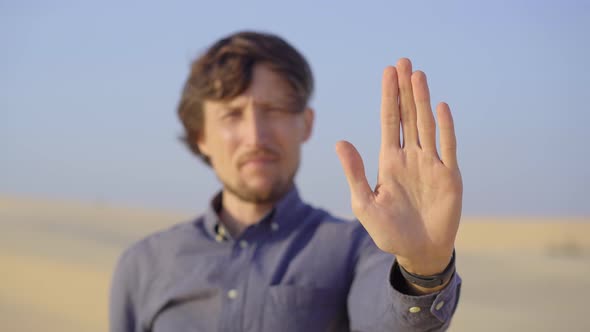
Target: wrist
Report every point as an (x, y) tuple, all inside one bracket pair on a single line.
[(426, 266)]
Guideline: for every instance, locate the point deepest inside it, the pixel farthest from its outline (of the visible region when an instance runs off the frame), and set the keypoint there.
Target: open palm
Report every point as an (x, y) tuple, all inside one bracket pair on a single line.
[(415, 208)]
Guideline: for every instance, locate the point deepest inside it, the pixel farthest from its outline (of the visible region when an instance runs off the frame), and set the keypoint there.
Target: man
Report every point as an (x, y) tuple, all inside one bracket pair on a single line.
[(260, 259)]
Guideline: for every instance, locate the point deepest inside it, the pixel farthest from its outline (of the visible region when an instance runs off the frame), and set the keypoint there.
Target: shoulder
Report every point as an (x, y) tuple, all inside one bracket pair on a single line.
[(328, 219), (152, 250), (349, 230)]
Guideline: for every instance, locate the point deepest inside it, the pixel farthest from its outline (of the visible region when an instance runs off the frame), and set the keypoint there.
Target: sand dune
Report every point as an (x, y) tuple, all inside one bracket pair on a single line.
[(57, 258)]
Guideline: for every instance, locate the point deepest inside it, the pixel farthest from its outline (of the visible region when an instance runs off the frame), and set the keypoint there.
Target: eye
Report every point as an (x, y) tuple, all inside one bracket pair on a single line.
[(231, 114), (278, 111)]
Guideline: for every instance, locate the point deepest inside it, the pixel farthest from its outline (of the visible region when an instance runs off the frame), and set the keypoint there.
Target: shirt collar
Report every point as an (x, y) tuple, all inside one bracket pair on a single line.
[(285, 211)]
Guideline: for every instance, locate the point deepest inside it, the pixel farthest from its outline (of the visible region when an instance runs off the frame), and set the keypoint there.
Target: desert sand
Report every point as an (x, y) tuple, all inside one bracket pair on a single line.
[(56, 260)]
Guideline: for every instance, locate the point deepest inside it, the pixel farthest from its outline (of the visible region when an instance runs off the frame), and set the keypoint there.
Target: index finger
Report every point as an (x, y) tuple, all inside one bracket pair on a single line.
[(448, 140)]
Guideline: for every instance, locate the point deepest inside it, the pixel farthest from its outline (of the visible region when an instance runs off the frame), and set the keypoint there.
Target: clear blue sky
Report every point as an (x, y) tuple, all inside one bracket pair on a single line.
[(88, 94)]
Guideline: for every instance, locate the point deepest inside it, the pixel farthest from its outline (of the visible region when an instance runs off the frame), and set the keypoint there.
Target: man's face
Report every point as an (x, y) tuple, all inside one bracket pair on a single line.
[(253, 141)]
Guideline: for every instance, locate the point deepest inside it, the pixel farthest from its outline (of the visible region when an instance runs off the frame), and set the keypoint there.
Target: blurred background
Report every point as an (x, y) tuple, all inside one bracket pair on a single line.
[(90, 159)]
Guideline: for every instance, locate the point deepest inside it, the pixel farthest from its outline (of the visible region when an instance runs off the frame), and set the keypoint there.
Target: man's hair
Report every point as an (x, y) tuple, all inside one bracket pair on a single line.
[(224, 71)]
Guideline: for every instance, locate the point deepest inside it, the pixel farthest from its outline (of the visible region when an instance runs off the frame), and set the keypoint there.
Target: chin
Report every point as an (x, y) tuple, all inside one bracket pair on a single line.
[(261, 191)]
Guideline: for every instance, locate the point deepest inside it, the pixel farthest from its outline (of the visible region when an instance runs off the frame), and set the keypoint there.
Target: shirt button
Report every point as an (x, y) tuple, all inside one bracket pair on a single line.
[(232, 294), (439, 305), (415, 310), (274, 227), (243, 244)]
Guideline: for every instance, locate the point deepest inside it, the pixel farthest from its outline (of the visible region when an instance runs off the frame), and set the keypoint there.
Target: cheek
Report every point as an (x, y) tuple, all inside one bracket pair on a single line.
[(223, 146), (291, 146)]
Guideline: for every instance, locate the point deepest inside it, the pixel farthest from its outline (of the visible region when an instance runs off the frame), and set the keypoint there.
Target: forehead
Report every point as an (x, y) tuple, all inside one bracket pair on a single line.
[(266, 87)]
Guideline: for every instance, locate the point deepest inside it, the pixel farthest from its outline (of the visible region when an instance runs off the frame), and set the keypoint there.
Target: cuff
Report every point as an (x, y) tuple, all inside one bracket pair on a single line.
[(415, 308)]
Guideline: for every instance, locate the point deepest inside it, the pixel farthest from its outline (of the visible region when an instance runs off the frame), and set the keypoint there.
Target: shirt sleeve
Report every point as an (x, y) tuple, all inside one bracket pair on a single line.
[(375, 305), (122, 317)]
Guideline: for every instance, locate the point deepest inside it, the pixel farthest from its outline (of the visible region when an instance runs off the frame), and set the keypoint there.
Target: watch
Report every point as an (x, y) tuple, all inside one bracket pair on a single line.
[(430, 281)]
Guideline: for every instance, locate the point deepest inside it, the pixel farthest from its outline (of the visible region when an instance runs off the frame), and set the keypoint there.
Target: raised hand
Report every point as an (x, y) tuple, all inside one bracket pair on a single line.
[(415, 208)]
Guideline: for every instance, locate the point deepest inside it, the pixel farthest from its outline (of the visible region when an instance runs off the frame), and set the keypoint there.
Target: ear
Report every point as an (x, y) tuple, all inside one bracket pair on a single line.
[(202, 143), (308, 118), (201, 136)]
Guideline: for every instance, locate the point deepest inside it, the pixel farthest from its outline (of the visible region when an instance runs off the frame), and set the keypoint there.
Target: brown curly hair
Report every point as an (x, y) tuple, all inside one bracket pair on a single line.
[(224, 71)]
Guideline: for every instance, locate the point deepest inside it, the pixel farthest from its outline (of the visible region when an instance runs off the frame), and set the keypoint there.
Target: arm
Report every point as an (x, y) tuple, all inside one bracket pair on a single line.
[(122, 316), (414, 211)]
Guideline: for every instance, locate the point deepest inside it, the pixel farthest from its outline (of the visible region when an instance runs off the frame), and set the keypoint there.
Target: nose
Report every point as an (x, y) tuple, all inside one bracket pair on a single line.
[(255, 128)]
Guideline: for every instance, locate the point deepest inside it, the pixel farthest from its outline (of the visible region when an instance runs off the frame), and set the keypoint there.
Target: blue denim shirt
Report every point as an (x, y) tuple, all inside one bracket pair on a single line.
[(298, 269)]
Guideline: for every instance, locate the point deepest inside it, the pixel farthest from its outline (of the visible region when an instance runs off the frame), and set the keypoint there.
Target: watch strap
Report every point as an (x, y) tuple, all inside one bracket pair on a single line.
[(430, 281)]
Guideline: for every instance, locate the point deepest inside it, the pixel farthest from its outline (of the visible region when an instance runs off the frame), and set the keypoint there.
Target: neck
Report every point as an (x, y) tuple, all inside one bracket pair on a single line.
[(236, 214)]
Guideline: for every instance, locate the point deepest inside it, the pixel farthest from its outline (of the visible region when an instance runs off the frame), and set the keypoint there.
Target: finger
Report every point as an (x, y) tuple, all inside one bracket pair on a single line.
[(406, 101), (352, 163), (390, 109), (448, 141), (425, 119)]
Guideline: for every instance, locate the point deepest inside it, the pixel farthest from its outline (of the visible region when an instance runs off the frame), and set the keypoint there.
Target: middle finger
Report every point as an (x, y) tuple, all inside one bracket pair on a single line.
[(407, 104)]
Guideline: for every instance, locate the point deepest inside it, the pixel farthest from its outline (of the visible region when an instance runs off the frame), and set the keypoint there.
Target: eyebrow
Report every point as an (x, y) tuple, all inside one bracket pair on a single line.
[(286, 101)]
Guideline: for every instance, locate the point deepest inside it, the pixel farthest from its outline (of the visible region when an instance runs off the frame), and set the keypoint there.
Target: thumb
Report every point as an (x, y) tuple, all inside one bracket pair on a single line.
[(354, 169)]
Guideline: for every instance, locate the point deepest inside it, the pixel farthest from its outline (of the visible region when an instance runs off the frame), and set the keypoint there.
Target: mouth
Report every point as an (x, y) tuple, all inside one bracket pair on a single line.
[(259, 161)]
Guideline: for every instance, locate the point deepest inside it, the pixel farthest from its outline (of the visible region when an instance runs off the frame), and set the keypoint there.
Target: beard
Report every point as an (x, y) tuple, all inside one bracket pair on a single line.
[(268, 195), (276, 191)]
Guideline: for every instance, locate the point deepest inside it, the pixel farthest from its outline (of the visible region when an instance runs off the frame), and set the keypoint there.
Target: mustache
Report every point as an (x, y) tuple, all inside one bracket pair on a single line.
[(262, 152)]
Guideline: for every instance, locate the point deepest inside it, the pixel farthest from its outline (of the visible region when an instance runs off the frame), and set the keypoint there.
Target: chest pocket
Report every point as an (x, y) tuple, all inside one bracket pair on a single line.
[(299, 308), (193, 312)]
